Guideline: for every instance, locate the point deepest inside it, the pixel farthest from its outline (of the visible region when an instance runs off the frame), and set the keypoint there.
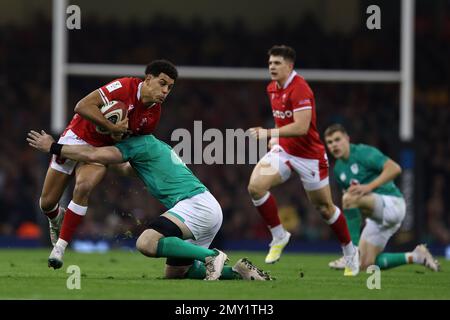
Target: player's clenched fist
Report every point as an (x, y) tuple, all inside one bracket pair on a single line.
[(121, 127), (258, 133)]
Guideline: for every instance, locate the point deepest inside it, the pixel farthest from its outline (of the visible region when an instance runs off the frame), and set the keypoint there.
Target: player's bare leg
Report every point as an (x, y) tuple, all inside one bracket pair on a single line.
[(374, 255), (322, 201), (87, 176), (263, 178), (365, 204), (243, 269), (368, 253), (54, 185), (187, 234), (176, 272), (152, 243), (213, 264)]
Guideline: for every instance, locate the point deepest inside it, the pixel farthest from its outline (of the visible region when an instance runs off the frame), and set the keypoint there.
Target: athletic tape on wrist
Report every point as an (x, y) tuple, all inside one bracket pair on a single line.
[(55, 148)]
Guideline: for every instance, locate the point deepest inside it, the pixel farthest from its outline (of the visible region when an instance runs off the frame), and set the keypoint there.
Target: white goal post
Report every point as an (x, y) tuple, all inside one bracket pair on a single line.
[(61, 68)]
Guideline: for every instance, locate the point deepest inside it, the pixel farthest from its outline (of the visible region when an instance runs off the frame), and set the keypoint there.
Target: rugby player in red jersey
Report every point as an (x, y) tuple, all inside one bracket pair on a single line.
[(89, 126), (295, 146)]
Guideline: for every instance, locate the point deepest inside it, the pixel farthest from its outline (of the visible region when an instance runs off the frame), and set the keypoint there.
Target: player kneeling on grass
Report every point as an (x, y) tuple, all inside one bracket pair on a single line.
[(183, 233), (366, 177)]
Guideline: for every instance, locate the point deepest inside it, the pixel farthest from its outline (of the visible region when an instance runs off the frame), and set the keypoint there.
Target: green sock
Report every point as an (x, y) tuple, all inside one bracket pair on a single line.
[(198, 271), (391, 260), (173, 247), (353, 217)]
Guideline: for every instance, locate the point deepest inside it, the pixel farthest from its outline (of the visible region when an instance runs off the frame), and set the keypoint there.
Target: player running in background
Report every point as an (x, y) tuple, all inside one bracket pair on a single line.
[(194, 214), (366, 177), (144, 98), (295, 146)]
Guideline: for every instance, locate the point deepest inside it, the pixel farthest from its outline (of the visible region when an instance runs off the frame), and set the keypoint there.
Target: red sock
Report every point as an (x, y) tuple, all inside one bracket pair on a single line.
[(70, 225), (340, 227), (267, 208), (52, 214)]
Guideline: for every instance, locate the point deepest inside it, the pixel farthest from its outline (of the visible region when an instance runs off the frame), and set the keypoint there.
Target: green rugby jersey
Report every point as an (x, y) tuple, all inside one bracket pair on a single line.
[(164, 174), (364, 164)]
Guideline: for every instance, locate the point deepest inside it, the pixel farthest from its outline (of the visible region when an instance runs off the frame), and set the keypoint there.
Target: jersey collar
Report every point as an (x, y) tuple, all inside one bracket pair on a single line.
[(289, 80), (138, 94), (350, 151)]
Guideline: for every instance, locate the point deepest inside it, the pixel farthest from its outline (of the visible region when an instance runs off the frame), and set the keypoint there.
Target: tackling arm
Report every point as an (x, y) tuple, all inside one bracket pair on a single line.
[(104, 155), (45, 143)]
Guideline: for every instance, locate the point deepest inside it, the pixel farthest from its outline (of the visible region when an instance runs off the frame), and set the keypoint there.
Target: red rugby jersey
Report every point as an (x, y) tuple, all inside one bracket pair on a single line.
[(142, 119), (296, 95)]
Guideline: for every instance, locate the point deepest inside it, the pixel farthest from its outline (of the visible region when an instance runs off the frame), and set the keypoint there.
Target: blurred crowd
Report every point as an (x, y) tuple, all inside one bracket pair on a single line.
[(120, 207)]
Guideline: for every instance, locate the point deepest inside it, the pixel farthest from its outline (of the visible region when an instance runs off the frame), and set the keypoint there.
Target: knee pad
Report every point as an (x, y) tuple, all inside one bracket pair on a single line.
[(179, 262), (169, 229), (166, 227)]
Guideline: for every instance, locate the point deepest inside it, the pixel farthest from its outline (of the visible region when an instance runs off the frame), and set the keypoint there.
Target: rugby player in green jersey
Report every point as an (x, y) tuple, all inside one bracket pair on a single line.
[(366, 177), (184, 232)]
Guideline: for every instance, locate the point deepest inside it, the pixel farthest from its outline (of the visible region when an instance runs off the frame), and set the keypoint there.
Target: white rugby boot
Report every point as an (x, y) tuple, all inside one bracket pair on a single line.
[(249, 271), (338, 264), (55, 260), (276, 248), (214, 265), (55, 225), (424, 257), (352, 264)]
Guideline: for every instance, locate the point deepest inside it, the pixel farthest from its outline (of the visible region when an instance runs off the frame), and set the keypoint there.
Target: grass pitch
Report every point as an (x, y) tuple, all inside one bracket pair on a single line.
[(130, 275)]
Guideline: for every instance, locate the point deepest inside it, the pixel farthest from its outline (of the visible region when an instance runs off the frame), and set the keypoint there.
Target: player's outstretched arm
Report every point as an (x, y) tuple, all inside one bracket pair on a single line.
[(45, 143)]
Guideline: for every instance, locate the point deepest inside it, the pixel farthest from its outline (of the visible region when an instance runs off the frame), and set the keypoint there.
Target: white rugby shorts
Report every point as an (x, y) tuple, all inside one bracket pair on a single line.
[(313, 174), (66, 165), (393, 211), (202, 214)]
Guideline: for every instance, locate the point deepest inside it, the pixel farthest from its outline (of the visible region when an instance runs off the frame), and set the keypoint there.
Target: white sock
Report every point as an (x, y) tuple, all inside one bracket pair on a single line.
[(76, 208), (348, 249), (278, 232), (335, 216), (61, 243), (413, 256), (261, 201)]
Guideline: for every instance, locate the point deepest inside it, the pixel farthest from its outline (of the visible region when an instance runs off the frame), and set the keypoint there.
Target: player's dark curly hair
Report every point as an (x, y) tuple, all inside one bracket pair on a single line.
[(286, 52), (162, 66)]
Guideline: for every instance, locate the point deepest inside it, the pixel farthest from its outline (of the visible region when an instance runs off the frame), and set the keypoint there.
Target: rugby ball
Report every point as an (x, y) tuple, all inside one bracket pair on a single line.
[(114, 111)]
